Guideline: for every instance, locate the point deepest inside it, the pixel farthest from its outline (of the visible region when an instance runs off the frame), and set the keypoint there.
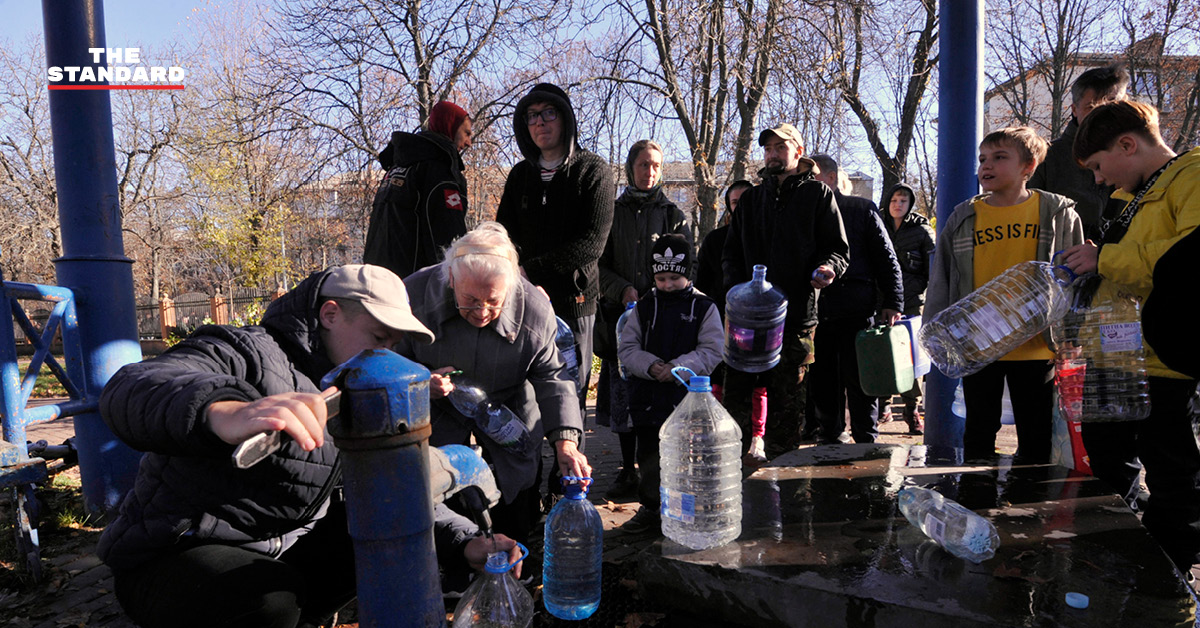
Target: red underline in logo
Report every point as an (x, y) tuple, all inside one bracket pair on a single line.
[(112, 87)]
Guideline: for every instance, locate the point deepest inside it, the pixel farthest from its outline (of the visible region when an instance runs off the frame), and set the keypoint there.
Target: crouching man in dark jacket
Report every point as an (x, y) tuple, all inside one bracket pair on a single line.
[(199, 542)]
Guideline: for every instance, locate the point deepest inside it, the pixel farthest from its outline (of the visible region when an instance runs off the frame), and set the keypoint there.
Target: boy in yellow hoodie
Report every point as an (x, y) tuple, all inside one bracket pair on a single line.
[(1120, 143)]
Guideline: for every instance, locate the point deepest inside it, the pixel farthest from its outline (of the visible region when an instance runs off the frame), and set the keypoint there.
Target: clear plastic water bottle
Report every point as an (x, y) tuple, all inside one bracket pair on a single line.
[(754, 315), (958, 530), (700, 453), (1100, 369), (574, 543), (496, 420), (996, 318), (621, 322), (565, 339), (495, 599)]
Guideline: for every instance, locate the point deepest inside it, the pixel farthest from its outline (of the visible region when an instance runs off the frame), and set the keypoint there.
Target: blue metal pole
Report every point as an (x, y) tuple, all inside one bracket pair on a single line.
[(382, 434), (960, 129), (93, 264)]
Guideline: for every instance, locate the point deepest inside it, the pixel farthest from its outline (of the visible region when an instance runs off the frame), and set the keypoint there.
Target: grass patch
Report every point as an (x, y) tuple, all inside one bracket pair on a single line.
[(46, 385)]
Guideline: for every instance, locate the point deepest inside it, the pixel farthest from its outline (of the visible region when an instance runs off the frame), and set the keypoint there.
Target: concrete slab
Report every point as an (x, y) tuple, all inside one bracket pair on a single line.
[(823, 544)]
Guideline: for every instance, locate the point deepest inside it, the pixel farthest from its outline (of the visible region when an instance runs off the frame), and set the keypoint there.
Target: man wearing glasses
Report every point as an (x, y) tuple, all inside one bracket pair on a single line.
[(558, 207)]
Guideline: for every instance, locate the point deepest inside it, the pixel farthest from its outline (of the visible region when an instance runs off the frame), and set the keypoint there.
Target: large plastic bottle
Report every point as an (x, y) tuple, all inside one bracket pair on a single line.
[(1100, 368), (565, 339), (754, 316), (574, 544), (496, 420), (700, 454), (996, 318), (495, 599), (621, 322), (958, 530)]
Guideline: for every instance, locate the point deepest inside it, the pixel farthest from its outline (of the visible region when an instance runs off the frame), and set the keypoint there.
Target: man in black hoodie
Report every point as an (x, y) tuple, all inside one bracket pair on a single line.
[(846, 307), (200, 542), (558, 208), (420, 206)]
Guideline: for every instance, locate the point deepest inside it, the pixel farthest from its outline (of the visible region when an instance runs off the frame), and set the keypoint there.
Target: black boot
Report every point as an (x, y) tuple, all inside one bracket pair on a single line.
[(626, 486)]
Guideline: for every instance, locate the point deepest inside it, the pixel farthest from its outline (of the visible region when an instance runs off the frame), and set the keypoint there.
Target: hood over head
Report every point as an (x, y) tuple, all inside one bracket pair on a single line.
[(887, 200), (547, 93)]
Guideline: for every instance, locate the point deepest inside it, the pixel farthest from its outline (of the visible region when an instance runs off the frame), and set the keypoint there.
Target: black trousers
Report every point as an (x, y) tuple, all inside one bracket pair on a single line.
[(1165, 442), (834, 383), (648, 464), (1031, 392), (220, 585)]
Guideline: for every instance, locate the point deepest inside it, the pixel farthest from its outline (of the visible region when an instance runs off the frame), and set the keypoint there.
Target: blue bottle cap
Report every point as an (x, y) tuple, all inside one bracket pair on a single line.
[(699, 383), (1077, 600)]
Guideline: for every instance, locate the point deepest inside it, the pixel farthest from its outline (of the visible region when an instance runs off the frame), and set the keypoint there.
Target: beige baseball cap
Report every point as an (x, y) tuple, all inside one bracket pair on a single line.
[(789, 133), (381, 293)]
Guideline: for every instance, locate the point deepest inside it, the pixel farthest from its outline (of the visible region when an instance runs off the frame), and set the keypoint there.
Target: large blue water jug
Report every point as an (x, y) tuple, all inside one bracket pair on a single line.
[(574, 543), (754, 316)]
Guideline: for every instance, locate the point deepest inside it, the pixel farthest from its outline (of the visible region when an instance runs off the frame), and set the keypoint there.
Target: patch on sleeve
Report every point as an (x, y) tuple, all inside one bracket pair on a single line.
[(453, 200)]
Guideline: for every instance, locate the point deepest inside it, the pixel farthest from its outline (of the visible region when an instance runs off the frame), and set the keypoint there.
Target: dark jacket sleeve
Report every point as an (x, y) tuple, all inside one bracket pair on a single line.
[(884, 264), (508, 212), (451, 533), (830, 235), (594, 214), (612, 284), (158, 405), (445, 208)]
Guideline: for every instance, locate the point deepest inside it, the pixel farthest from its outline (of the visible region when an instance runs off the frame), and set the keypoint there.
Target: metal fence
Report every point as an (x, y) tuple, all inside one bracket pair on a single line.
[(191, 311)]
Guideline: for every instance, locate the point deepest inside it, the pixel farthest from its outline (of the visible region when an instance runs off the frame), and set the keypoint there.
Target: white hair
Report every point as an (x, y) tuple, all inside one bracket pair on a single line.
[(483, 253)]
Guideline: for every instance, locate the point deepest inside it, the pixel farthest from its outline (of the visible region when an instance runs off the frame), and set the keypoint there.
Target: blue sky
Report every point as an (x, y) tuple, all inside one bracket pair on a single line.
[(126, 22)]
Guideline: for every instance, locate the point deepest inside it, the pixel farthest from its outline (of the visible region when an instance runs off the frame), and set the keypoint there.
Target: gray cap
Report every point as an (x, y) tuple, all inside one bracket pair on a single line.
[(381, 293)]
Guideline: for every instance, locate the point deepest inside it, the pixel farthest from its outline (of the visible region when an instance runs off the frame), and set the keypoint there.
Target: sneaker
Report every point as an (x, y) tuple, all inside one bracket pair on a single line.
[(886, 415), (643, 521), (625, 487)]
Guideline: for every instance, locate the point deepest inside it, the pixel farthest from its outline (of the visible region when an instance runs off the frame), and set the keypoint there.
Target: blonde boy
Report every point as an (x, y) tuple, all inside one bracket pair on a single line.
[(1006, 225)]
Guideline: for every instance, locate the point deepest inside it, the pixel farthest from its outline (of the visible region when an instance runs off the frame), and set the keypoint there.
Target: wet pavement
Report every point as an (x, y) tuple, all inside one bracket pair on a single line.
[(823, 544)]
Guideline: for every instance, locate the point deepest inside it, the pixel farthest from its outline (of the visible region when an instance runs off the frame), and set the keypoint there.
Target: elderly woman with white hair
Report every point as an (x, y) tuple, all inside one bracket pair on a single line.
[(499, 330)]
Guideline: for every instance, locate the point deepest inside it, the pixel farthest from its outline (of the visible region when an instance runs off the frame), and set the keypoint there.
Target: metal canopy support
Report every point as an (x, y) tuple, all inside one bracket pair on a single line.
[(960, 129), (93, 264)]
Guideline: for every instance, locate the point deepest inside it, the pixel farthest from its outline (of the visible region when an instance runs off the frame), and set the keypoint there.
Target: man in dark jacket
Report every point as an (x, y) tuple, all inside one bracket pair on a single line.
[(199, 542), (789, 223), (1061, 174), (846, 308), (558, 207), (421, 204)]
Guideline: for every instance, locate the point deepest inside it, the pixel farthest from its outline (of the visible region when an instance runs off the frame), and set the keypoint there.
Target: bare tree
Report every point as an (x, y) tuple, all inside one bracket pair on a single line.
[(863, 44), (30, 236), (1160, 34), (696, 58), (1037, 46)]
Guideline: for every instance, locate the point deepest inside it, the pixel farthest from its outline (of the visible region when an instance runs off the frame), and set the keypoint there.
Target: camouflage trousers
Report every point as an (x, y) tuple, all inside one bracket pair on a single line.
[(786, 394)]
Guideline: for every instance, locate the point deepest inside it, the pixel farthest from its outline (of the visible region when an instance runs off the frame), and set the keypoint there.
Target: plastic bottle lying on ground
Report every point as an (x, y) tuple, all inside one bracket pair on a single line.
[(958, 530)]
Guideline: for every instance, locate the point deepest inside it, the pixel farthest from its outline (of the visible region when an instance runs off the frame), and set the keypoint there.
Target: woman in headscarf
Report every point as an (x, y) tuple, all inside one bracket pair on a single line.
[(499, 330)]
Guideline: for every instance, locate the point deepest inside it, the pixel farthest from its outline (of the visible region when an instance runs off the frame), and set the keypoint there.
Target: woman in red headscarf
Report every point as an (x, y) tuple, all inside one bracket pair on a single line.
[(421, 204)]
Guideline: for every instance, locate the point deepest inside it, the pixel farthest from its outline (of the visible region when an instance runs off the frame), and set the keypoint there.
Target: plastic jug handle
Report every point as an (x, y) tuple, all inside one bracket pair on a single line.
[(524, 555), (683, 369), (1062, 274)]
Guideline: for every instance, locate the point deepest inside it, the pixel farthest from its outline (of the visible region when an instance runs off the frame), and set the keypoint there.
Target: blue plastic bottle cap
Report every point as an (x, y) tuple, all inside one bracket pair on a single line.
[(1077, 600)]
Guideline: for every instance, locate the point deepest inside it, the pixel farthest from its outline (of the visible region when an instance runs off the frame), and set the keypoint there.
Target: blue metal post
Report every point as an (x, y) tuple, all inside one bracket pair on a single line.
[(382, 433), (960, 129), (93, 264)]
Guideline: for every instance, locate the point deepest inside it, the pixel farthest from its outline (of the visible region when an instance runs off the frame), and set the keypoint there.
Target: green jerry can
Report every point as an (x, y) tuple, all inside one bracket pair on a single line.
[(885, 364)]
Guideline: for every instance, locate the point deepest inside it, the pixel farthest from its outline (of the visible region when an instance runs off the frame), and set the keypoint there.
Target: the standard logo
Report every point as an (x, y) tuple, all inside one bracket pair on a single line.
[(124, 70)]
